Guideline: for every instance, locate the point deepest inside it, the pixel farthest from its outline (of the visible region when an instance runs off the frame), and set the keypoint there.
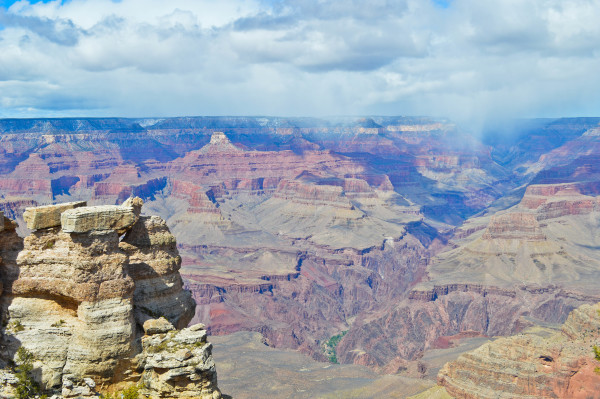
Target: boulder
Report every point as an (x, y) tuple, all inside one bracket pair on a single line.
[(157, 326), (96, 218), (135, 203), (43, 217), (197, 327)]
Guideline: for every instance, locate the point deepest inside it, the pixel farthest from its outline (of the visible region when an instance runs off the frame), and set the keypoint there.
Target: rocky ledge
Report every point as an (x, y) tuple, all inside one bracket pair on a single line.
[(561, 365), (94, 296)]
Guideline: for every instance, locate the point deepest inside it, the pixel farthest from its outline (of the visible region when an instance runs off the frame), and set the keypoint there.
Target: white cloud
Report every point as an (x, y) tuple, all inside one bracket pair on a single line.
[(471, 61)]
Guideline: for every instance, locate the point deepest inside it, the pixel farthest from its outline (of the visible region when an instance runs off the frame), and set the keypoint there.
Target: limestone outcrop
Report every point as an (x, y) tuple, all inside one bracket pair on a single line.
[(81, 298), (179, 364), (154, 264), (532, 366), (98, 218), (43, 217)]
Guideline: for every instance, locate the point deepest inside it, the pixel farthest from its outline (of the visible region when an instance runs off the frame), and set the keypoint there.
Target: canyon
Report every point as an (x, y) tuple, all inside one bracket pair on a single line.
[(403, 235)]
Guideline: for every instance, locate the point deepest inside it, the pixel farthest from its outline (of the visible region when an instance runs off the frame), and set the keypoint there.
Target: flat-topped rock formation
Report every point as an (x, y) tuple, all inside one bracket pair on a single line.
[(79, 298), (531, 366), (220, 163), (219, 143), (548, 238), (514, 226)]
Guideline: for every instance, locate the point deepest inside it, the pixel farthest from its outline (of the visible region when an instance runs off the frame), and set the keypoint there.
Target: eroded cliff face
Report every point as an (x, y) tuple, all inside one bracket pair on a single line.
[(83, 301), (154, 264), (536, 261), (562, 365)]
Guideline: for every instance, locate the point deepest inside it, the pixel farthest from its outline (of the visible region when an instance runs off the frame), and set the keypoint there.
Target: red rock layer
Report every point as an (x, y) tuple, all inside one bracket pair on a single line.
[(312, 194), (300, 309), (514, 225), (529, 366), (403, 331), (538, 194)]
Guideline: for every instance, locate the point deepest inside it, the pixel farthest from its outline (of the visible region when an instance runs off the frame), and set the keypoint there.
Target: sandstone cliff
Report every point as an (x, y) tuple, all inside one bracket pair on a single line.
[(562, 365), (96, 309)]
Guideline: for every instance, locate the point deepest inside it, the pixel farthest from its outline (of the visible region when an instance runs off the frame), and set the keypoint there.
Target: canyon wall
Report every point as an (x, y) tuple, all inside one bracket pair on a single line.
[(560, 365), (301, 229), (534, 262)]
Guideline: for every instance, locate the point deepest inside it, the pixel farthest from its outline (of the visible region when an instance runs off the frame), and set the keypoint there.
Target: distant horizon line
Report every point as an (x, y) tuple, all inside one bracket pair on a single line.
[(284, 117)]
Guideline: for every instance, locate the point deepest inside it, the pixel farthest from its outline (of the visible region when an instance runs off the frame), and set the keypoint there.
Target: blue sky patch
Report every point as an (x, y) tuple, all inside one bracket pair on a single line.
[(442, 3), (8, 3)]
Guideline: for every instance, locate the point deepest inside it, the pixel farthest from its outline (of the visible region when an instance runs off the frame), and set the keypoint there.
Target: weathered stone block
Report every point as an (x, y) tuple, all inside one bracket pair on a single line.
[(43, 217), (94, 218), (157, 326), (134, 202)]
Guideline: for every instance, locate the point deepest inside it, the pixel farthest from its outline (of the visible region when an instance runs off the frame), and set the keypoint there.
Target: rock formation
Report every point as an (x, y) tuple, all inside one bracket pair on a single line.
[(80, 300), (43, 217), (178, 364), (154, 264), (562, 365)]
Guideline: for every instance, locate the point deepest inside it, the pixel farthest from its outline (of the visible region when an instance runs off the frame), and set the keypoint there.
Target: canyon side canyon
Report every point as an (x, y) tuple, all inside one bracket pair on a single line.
[(377, 242)]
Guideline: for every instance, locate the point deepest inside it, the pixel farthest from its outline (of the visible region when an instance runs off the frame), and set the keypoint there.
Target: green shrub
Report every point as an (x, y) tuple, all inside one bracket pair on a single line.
[(160, 347), (331, 346), (27, 387), (58, 323), (16, 326), (133, 392)]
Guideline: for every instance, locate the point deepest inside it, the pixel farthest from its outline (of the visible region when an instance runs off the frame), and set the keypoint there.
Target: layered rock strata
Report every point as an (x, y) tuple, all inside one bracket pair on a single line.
[(215, 201), (562, 365), (154, 264), (534, 262), (43, 217), (77, 298)]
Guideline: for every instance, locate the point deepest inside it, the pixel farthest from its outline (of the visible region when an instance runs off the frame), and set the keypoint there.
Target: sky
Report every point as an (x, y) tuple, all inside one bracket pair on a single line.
[(468, 60)]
